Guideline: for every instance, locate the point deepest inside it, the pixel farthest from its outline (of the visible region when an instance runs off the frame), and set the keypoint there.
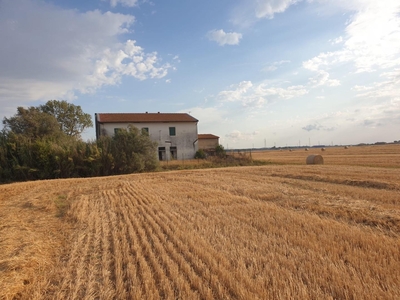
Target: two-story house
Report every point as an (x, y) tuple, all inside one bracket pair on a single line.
[(175, 133)]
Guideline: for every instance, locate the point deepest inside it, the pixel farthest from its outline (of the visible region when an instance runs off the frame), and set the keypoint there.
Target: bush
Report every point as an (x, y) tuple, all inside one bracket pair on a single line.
[(126, 152), (200, 154), (220, 151), (26, 158)]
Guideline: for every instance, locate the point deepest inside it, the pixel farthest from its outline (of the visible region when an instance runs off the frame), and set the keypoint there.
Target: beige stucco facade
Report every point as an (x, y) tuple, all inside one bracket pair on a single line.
[(208, 141)]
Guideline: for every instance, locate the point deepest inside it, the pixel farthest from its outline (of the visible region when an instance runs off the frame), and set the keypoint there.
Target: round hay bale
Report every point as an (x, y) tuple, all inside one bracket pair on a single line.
[(322, 149), (306, 149), (346, 147), (315, 159)]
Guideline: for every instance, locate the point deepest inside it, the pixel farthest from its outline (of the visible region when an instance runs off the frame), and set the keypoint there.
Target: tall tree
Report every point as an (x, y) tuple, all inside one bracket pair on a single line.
[(72, 120), (32, 123)]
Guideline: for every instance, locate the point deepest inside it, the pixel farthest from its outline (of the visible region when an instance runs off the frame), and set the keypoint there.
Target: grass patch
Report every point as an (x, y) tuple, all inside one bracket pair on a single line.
[(213, 162), (62, 205)]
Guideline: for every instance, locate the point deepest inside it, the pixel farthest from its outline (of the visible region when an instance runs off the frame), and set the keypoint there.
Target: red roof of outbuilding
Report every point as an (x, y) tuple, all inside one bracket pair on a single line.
[(144, 117), (207, 136)]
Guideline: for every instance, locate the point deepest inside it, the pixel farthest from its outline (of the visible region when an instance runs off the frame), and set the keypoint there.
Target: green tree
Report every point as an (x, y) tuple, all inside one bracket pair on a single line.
[(133, 151), (33, 146), (220, 151), (72, 120), (32, 123)]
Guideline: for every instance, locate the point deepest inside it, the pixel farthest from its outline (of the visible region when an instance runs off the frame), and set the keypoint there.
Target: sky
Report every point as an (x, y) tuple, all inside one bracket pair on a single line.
[(256, 73)]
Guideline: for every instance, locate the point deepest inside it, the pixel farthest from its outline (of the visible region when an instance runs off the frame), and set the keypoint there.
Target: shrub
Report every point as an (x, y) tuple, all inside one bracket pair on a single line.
[(200, 154), (220, 151)]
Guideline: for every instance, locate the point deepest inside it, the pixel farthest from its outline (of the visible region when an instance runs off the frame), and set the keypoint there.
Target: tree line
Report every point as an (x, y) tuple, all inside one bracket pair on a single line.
[(45, 142)]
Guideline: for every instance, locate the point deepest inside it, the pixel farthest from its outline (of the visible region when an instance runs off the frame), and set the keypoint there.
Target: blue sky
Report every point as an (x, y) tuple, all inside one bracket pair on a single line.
[(254, 72)]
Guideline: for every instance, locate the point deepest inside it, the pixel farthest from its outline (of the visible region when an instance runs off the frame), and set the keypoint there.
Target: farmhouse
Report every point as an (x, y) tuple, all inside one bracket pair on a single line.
[(208, 141), (175, 133)]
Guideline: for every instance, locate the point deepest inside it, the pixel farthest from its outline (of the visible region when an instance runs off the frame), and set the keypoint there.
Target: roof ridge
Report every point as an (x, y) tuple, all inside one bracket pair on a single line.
[(144, 117)]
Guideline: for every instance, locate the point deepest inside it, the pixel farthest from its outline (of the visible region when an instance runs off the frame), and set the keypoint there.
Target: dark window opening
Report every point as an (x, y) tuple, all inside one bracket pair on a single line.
[(172, 131), (162, 153), (174, 152), (145, 130)]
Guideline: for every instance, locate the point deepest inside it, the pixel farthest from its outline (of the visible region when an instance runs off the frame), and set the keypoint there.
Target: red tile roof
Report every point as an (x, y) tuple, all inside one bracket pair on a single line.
[(207, 136), (144, 117)]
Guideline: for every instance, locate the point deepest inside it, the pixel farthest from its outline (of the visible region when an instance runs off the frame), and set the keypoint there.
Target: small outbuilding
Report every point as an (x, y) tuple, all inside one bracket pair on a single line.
[(208, 141)]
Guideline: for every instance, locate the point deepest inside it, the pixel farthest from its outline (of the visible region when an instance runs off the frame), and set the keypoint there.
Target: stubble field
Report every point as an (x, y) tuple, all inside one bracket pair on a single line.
[(287, 231)]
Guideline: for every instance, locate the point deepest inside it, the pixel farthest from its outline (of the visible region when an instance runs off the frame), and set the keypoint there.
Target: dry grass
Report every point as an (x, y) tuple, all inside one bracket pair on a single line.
[(270, 232), (32, 236)]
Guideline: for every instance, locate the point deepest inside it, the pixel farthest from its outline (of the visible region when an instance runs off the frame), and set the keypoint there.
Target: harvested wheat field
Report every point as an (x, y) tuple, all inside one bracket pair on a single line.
[(269, 232), (387, 156)]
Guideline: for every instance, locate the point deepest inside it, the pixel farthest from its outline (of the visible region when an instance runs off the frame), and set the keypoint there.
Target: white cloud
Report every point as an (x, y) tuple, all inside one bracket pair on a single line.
[(371, 44), (52, 52), (317, 126), (285, 93), (130, 60), (247, 12), (322, 78), (362, 115), (236, 93), (267, 8), (372, 40), (386, 113), (327, 59), (337, 40), (250, 95), (360, 88), (270, 68), (128, 3), (374, 36), (274, 66), (390, 87), (223, 38), (237, 135)]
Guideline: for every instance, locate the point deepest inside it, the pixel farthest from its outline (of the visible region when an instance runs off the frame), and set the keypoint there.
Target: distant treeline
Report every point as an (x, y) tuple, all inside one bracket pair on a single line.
[(32, 148)]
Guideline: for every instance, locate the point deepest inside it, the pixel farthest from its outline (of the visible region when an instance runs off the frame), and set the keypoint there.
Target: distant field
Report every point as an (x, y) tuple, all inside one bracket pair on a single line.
[(289, 231), (372, 155)]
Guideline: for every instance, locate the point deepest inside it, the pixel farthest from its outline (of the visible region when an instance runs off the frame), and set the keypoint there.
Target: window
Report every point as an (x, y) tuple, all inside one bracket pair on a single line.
[(172, 131), (145, 130), (174, 152), (161, 153)]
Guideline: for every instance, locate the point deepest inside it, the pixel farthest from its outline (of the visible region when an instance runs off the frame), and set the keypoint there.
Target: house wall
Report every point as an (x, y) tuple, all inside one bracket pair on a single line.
[(208, 143), (185, 139)]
